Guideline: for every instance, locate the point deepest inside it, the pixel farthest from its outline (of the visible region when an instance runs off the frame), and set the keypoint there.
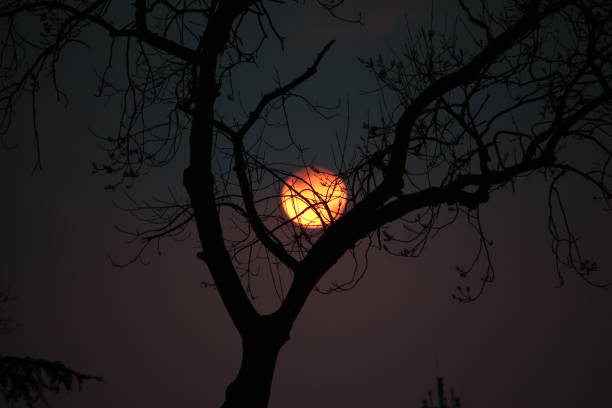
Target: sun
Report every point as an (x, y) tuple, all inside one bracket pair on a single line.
[(313, 197)]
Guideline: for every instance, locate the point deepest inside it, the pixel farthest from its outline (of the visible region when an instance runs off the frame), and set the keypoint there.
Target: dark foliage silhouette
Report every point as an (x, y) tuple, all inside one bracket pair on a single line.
[(447, 138), (29, 380)]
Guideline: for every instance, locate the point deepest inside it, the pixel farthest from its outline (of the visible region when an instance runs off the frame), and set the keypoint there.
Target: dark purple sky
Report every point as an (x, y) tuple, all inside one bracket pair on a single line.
[(159, 339)]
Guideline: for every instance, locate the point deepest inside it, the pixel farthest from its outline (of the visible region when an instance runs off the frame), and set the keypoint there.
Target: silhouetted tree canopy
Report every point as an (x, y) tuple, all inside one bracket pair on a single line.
[(30, 380)]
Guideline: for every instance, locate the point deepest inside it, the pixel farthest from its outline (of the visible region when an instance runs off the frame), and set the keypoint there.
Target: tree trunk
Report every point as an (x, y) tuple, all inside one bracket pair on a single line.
[(251, 387)]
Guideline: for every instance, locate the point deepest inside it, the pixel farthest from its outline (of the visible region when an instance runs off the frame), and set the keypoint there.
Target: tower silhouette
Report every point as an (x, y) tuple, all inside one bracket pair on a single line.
[(443, 401)]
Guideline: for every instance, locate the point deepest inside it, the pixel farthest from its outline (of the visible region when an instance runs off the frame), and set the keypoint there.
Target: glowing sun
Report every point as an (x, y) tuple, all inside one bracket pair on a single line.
[(314, 197)]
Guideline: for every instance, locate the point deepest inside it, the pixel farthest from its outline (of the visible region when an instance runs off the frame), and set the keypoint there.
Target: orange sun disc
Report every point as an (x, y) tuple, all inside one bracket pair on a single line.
[(314, 197)]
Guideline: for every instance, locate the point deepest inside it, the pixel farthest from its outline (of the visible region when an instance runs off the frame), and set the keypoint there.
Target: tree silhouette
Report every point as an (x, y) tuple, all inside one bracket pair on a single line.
[(30, 380), (448, 138)]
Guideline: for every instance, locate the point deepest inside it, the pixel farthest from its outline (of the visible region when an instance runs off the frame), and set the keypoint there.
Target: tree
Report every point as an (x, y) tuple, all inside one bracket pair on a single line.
[(30, 380), (437, 154)]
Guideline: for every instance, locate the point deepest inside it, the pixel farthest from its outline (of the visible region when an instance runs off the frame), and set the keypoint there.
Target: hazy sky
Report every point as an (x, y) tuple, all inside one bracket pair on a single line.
[(159, 339)]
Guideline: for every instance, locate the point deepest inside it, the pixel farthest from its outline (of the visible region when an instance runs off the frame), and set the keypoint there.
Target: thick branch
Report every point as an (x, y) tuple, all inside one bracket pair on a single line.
[(198, 177), (494, 49), (263, 233), (372, 213)]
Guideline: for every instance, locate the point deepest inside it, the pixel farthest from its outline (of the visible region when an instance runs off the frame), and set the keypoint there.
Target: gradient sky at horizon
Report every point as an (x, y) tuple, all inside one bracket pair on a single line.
[(160, 339)]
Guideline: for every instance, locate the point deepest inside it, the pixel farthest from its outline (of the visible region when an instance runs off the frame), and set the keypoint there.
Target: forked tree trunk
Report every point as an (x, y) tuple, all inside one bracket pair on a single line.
[(251, 387)]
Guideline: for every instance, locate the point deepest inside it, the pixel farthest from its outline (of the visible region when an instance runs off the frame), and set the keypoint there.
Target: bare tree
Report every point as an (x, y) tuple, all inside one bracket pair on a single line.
[(448, 137)]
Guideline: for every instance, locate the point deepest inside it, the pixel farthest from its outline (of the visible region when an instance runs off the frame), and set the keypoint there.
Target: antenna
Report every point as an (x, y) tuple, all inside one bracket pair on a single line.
[(443, 401), (431, 17)]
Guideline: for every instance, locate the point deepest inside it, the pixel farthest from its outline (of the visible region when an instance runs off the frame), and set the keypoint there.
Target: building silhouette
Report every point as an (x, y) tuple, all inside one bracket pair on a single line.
[(443, 401)]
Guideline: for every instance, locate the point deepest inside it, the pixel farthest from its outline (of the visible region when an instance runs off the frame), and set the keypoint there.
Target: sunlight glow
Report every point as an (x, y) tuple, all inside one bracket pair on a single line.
[(314, 197)]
